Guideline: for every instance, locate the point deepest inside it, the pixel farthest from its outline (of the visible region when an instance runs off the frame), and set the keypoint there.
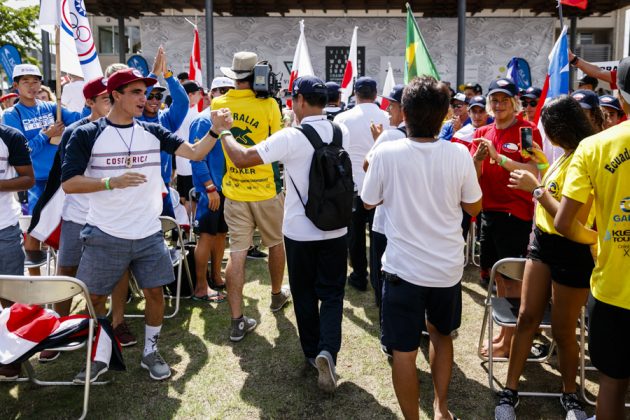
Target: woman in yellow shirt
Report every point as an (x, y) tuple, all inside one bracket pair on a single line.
[(556, 267)]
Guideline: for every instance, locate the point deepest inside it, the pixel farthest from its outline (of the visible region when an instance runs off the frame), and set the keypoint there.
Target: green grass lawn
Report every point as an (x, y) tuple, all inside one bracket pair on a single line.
[(265, 376)]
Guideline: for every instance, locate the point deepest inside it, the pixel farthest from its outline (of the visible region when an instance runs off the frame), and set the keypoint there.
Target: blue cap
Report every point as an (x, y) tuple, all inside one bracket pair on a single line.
[(478, 100), (609, 101), (587, 98), (532, 93), (503, 85), (333, 88), (309, 84), (365, 82), (396, 94)]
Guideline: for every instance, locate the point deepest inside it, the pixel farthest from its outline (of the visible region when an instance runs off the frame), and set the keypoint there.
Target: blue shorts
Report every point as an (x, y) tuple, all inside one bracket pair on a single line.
[(208, 221), (34, 193), (105, 258), (406, 306), (11, 251), (70, 244)]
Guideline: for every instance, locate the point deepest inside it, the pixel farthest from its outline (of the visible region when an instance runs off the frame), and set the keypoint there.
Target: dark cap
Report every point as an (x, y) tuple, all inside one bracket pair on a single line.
[(309, 84), (587, 98), (396, 94), (94, 88), (333, 88), (125, 76), (532, 93), (365, 82), (459, 97), (588, 80), (623, 75), (478, 100), (609, 101), (503, 85), (190, 86)]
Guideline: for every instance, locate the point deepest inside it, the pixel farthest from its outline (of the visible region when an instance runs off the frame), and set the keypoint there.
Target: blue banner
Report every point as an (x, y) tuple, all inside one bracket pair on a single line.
[(518, 71), (138, 62), (9, 58)]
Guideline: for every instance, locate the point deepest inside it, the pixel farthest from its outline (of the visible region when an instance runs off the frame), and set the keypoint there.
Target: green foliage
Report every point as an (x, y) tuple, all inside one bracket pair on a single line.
[(18, 27)]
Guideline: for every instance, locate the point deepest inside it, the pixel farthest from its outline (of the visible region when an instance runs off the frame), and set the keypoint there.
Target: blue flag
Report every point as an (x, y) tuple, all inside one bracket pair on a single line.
[(9, 57)]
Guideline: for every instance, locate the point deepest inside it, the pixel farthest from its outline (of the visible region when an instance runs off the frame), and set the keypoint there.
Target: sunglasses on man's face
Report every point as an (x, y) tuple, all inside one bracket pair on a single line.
[(221, 90), (157, 96), (529, 103)]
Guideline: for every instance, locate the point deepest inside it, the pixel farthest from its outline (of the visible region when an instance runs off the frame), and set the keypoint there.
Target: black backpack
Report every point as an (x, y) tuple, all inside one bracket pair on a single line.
[(330, 184)]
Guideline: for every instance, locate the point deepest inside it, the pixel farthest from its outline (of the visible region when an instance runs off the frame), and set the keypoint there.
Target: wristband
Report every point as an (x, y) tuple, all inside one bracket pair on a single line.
[(211, 188), (503, 160), (107, 186), (213, 134), (542, 166), (574, 61), (225, 133), (168, 73)]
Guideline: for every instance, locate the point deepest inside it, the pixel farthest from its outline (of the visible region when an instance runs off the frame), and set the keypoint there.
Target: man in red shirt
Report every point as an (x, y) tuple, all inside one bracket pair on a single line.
[(506, 221)]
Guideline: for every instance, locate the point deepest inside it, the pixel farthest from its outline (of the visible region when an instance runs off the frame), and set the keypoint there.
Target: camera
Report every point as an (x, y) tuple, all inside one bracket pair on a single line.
[(266, 82)]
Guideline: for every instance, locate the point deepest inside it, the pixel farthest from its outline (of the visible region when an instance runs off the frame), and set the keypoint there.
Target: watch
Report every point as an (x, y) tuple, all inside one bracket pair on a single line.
[(539, 191)]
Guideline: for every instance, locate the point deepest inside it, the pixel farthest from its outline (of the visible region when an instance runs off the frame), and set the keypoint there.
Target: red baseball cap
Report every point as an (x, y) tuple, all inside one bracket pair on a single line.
[(95, 87), (8, 96), (126, 76)]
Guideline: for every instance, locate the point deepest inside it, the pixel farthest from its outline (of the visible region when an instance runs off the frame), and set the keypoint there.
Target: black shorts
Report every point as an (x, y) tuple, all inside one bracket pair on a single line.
[(502, 236), (570, 263), (208, 221), (608, 338), (184, 185), (406, 306)]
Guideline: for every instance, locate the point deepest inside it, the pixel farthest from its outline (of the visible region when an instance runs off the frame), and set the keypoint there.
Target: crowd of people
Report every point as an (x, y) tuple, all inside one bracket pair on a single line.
[(317, 181)]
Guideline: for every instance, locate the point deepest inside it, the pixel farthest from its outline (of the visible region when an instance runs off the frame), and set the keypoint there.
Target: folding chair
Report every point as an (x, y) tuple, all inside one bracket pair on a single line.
[(474, 244), (178, 255), (35, 259), (48, 290), (191, 216), (504, 312)]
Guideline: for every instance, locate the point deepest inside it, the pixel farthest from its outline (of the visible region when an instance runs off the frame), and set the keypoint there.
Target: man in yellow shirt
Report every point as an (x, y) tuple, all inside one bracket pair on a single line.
[(253, 196), (602, 165)]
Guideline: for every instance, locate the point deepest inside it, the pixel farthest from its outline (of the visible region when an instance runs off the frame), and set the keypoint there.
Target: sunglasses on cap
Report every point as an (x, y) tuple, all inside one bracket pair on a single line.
[(157, 96), (222, 90), (529, 103)]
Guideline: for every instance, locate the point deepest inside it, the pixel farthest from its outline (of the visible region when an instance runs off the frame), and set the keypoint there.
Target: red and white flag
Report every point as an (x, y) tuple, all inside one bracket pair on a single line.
[(580, 4), (194, 73), (301, 62), (387, 86), (352, 72)]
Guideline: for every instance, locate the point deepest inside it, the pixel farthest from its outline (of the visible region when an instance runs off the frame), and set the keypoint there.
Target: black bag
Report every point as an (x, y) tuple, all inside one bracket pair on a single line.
[(330, 184)]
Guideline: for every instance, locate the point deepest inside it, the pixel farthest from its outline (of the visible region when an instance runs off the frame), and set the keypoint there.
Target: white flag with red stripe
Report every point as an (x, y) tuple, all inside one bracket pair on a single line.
[(387, 86), (194, 73), (351, 72), (301, 61)]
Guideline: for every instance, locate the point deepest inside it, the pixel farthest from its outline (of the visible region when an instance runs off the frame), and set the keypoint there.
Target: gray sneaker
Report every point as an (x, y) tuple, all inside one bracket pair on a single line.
[(96, 369), (279, 300), (327, 380), (241, 326), (157, 367)]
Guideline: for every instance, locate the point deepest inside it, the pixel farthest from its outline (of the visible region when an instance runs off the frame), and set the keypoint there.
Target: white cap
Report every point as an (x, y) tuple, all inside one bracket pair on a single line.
[(221, 81), (26, 70)]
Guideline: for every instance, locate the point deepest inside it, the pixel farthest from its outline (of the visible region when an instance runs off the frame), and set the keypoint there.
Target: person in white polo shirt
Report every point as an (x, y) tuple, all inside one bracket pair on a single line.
[(117, 161), (358, 120), (316, 258), (423, 184)]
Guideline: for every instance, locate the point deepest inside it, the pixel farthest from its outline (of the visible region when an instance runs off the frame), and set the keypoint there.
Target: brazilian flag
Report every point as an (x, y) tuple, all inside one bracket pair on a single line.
[(417, 59)]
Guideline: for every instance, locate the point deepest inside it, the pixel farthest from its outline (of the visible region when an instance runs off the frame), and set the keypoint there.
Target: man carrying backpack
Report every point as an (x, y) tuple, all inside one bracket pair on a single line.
[(317, 209)]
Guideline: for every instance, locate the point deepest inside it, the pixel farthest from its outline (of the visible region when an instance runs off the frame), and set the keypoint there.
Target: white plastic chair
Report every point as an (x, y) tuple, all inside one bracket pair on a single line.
[(49, 290)]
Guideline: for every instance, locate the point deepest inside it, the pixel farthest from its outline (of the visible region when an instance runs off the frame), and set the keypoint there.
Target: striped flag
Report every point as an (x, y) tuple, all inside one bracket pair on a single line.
[(194, 71), (351, 72), (417, 59), (387, 86), (302, 65), (556, 84)]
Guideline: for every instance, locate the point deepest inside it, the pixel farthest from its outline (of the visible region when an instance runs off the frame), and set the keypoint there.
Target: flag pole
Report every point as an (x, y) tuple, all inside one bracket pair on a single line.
[(58, 70), (560, 13)]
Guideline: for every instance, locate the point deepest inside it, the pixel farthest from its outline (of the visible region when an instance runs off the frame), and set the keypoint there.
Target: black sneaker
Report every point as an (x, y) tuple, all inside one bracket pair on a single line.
[(508, 401), (255, 254), (359, 285), (573, 406)]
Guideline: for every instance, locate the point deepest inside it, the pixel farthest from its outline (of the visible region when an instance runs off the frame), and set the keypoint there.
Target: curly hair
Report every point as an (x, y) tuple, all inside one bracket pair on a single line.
[(565, 122)]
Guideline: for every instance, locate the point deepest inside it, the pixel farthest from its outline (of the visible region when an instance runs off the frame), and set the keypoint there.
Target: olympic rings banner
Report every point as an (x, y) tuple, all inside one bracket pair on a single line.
[(78, 50)]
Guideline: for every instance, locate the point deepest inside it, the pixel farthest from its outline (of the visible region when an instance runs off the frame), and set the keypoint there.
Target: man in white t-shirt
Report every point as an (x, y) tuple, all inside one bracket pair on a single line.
[(316, 259), (358, 121), (423, 184)]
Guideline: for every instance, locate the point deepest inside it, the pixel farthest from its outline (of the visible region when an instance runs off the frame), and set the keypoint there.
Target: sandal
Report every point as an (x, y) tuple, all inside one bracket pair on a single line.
[(216, 286), (212, 297)]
